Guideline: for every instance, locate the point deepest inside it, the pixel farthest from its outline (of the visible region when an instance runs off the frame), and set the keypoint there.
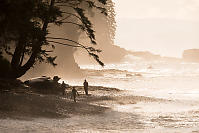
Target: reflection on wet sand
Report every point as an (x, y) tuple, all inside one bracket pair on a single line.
[(104, 110)]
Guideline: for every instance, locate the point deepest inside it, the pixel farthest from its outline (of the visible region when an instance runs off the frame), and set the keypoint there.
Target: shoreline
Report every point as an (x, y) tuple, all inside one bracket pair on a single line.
[(104, 110), (16, 104)]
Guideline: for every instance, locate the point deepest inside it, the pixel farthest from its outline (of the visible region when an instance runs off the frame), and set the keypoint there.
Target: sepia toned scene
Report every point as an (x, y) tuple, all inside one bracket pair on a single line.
[(99, 66)]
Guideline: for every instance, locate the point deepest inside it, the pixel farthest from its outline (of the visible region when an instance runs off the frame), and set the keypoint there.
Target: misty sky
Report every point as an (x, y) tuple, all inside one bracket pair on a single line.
[(165, 27)]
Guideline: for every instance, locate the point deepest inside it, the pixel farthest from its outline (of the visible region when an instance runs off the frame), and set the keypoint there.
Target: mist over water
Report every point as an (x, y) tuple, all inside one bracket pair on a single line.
[(176, 83), (148, 78)]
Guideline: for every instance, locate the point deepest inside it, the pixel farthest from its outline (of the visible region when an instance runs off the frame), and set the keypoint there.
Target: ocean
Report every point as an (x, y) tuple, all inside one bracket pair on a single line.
[(177, 83), (160, 79)]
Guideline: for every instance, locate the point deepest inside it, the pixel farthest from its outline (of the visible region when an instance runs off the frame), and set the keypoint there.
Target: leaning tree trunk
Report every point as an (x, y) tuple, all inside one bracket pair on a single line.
[(16, 58), (18, 70)]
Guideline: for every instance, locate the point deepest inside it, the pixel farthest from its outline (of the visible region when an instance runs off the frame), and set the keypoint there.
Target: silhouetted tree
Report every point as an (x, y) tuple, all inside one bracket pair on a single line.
[(25, 35)]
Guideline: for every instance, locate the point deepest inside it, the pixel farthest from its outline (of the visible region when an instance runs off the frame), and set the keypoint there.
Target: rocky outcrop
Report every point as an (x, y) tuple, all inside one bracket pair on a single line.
[(145, 55), (105, 28), (191, 55), (67, 64)]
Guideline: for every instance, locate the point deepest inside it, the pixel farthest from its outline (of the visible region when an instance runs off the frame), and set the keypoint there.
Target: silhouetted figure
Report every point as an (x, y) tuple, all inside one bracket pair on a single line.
[(74, 93), (63, 87), (86, 87)]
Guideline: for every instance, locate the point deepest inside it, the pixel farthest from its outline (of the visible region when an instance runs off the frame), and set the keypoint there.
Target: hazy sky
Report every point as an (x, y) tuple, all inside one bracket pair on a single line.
[(165, 27)]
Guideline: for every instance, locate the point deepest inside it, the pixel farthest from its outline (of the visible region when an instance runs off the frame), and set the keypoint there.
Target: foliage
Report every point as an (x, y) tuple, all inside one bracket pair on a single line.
[(24, 33)]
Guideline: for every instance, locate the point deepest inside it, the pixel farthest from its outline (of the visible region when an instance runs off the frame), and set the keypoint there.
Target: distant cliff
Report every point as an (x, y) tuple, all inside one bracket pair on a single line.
[(148, 56), (191, 55), (145, 55), (105, 27)]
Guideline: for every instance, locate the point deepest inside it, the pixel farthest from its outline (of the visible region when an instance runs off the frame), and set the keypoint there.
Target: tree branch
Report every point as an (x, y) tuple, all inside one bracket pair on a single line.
[(90, 50), (64, 18), (78, 44), (81, 26), (64, 44), (58, 38), (72, 15)]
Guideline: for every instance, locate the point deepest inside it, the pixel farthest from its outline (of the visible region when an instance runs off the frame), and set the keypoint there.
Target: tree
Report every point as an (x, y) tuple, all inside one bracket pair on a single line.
[(25, 32)]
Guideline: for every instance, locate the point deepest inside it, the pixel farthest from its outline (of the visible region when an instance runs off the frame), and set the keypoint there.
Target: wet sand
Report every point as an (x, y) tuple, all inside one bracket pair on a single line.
[(104, 110)]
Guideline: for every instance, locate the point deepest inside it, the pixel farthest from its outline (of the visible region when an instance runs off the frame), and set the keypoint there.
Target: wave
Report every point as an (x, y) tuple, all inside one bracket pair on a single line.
[(147, 69)]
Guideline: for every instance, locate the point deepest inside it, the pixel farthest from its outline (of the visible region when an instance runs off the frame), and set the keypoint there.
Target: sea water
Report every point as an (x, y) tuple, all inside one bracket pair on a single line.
[(175, 82), (161, 79)]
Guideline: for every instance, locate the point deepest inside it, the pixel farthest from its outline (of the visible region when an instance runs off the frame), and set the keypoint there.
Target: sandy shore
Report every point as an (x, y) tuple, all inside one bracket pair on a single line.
[(17, 104), (104, 110)]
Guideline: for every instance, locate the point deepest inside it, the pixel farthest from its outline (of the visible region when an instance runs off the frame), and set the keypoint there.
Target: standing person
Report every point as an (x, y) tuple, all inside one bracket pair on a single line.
[(63, 87), (86, 87), (74, 93)]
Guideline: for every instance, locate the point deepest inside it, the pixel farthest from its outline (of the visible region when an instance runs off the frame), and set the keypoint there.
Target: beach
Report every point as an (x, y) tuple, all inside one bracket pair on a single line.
[(104, 110)]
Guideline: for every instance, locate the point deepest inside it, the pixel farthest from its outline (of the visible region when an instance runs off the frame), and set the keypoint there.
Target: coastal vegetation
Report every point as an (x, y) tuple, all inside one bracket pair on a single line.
[(25, 36)]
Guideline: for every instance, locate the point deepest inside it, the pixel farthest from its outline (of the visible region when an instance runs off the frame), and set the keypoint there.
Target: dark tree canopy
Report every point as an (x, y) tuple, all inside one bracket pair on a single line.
[(25, 36)]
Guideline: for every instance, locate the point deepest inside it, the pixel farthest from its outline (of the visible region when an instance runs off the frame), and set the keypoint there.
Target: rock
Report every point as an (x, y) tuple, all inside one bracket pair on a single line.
[(191, 55), (46, 85)]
